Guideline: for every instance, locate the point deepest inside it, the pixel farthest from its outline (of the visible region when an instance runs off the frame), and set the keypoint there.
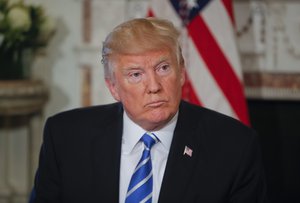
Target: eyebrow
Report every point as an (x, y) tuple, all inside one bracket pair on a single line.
[(162, 59), (129, 68), (137, 67)]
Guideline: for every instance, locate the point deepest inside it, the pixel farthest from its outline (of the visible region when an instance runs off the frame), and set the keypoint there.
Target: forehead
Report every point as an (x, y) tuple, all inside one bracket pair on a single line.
[(147, 57)]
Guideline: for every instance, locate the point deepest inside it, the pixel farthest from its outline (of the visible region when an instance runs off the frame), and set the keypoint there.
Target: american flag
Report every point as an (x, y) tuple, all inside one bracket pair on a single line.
[(214, 76), (188, 151)]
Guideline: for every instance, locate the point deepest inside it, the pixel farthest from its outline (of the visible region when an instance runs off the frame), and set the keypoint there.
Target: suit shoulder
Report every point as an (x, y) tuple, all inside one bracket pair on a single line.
[(213, 121), (99, 113)]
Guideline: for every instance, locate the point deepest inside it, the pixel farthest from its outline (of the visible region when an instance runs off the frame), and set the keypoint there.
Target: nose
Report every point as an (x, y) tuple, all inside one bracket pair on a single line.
[(153, 83)]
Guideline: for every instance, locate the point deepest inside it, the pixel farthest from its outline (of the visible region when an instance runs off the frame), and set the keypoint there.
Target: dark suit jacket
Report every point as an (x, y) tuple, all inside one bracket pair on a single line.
[(80, 158)]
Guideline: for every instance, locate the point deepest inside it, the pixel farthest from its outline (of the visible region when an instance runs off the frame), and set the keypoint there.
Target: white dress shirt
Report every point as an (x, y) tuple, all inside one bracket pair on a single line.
[(132, 149)]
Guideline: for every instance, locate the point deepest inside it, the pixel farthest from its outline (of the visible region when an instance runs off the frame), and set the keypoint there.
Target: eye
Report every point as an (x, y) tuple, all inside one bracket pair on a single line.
[(164, 69), (135, 76)]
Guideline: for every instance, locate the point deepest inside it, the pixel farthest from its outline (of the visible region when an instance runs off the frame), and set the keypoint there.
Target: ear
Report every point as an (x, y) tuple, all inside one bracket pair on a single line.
[(182, 75), (112, 88)]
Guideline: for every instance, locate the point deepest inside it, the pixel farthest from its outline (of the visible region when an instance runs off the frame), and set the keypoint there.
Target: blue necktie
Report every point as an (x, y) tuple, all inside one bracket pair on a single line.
[(141, 183)]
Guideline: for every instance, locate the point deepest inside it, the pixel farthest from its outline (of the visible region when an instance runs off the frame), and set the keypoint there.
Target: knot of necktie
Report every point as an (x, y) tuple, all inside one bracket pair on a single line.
[(149, 139)]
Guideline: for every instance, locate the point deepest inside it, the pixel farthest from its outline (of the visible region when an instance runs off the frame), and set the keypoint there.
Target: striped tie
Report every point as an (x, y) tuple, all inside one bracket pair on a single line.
[(141, 183)]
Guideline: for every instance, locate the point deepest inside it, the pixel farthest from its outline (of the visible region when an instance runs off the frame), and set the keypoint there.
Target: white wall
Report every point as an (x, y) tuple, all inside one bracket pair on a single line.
[(272, 42), (59, 67)]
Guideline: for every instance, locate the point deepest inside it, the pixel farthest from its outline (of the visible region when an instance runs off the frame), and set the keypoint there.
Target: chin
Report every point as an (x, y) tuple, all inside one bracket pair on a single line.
[(160, 117)]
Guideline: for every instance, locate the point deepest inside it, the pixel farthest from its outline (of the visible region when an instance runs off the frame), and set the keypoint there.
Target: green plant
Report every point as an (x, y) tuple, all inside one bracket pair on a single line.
[(23, 30), (23, 25)]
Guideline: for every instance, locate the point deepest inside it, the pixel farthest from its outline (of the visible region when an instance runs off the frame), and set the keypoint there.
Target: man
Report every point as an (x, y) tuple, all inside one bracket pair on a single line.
[(150, 146)]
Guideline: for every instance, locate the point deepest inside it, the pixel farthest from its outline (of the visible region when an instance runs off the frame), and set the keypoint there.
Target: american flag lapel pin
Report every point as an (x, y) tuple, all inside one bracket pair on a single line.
[(188, 151)]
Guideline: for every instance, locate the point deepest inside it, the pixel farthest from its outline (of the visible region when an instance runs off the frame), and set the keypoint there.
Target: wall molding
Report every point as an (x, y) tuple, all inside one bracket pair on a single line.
[(270, 85)]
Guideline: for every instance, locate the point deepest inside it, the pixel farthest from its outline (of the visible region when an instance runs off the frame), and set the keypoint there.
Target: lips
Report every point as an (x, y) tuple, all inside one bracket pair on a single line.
[(156, 104)]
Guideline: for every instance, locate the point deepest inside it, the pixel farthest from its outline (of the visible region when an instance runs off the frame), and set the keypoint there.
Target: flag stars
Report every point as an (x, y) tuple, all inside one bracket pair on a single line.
[(192, 4)]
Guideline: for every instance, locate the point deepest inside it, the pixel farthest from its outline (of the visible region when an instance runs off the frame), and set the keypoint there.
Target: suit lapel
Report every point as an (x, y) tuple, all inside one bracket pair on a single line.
[(106, 152), (180, 166)]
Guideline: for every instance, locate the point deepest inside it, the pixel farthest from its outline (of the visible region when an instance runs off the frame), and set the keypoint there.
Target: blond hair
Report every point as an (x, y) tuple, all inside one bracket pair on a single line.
[(140, 35)]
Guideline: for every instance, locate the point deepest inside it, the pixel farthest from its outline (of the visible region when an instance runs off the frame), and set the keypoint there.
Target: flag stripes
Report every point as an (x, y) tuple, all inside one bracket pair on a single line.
[(204, 84), (229, 9), (217, 20), (188, 92), (214, 58), (214, 76)]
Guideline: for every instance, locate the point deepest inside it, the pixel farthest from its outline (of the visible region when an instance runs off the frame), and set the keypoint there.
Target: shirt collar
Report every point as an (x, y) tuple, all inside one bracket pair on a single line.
[(133, 132)]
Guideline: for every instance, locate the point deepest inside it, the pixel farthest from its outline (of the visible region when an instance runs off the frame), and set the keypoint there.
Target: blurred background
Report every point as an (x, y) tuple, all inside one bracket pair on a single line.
[(58, 67)]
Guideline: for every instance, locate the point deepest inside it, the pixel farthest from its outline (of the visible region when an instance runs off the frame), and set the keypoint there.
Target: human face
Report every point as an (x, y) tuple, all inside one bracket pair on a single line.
[(148, 85)]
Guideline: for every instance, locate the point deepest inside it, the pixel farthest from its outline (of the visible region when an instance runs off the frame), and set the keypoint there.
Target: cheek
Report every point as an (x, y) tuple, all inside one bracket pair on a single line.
[(175, 82), (130, 94)]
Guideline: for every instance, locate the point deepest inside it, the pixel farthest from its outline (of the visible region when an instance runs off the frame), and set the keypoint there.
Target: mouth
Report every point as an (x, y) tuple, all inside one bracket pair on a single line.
[(156, 104)]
